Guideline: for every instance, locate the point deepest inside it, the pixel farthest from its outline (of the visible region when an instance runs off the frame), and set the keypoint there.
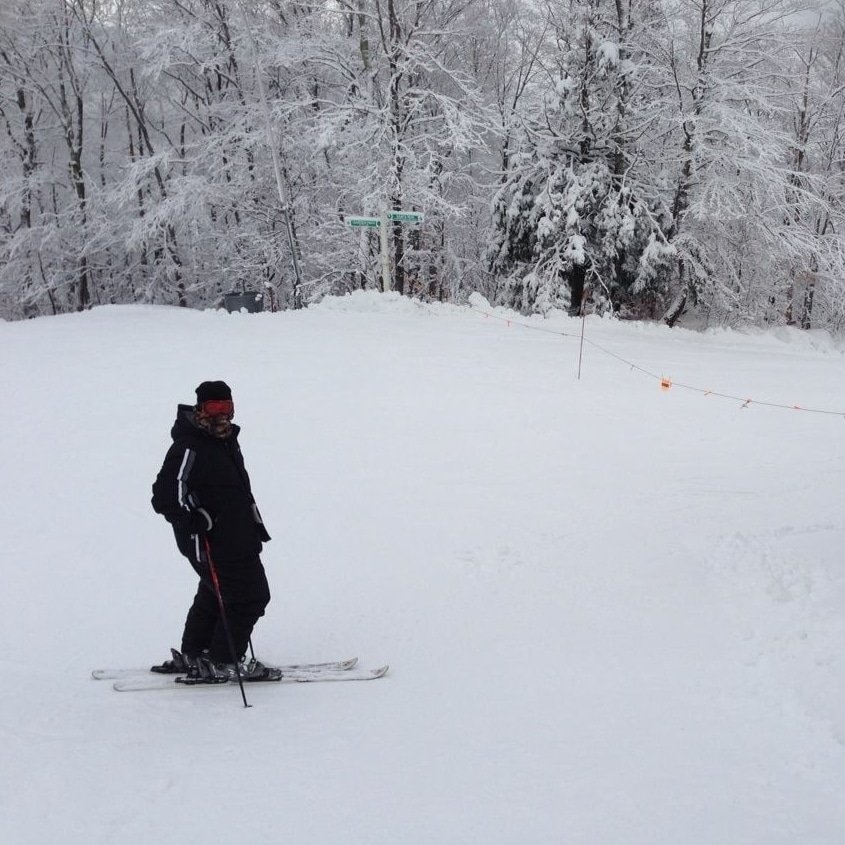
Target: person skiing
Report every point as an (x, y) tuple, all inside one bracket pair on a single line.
[(203, 491)]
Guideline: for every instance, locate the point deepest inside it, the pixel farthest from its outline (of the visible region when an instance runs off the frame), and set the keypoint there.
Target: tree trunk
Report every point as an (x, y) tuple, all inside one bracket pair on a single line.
[(673, 313)]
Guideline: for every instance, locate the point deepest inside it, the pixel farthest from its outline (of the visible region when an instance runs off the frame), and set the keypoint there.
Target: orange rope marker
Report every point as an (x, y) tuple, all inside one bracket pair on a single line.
[(665, 383)]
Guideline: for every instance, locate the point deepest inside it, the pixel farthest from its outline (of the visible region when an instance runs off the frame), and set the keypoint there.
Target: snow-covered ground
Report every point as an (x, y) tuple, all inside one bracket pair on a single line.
[(614, 614)]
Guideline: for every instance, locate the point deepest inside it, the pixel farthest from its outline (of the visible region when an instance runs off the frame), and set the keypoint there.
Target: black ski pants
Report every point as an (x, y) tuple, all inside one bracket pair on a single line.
[(245, 592)]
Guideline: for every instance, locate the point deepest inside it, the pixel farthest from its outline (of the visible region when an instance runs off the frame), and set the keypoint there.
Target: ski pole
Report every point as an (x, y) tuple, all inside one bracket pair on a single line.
[(224, 619)]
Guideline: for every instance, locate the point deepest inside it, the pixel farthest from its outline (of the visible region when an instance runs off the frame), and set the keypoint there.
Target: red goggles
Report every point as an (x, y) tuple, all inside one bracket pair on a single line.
[(218, 407)]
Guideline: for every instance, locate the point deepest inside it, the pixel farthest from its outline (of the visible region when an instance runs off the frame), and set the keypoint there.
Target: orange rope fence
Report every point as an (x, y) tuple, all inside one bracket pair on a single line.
[(665, 383)]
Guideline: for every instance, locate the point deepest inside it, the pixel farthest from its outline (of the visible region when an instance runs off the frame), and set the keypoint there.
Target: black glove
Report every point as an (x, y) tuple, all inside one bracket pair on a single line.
[(198, 521)]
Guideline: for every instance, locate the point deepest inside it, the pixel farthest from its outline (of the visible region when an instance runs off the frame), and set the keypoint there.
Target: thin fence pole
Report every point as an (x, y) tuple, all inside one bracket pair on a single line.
[(583, 328)]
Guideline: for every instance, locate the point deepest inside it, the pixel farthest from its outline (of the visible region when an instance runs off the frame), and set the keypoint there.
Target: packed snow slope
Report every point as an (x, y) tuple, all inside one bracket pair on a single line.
[(614, 613)]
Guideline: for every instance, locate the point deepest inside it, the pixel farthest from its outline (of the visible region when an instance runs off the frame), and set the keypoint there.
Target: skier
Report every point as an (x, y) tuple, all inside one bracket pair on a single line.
[(203, 491)]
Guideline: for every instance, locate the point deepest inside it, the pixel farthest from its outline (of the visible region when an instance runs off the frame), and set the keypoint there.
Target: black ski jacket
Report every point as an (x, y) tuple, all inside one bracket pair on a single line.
[(203, 471)]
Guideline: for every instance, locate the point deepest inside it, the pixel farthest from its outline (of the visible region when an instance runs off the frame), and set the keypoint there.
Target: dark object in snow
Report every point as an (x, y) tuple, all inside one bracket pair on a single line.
[(250, 301)]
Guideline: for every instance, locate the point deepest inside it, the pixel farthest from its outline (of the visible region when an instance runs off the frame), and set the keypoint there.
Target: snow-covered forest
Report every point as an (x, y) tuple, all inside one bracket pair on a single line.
[(658, 159)]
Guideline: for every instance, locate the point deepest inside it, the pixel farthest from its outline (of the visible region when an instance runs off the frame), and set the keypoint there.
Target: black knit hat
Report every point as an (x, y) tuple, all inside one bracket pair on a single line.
[(213, 390)]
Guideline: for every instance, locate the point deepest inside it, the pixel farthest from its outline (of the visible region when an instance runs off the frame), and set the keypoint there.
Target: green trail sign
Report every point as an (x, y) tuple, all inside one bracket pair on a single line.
[(405, 216), (393, 215)]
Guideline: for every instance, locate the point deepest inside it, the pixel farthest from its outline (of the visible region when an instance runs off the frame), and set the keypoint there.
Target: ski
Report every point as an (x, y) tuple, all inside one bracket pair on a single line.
[(120, 674), (291, 676)]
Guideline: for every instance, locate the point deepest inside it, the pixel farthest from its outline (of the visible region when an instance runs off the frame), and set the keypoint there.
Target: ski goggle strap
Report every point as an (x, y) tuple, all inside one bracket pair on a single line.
[(218, 407)]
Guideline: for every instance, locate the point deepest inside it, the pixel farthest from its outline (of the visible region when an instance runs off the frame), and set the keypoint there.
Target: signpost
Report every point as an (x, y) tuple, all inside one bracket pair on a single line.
[(394, 216)]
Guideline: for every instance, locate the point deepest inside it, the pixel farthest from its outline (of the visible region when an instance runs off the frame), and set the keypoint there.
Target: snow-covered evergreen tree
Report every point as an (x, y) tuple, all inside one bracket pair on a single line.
[(573, 215)]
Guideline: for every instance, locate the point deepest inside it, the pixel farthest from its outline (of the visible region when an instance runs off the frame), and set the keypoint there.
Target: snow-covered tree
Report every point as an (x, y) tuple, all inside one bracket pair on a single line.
[(47, 100), (721, 102), (573, 213)]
